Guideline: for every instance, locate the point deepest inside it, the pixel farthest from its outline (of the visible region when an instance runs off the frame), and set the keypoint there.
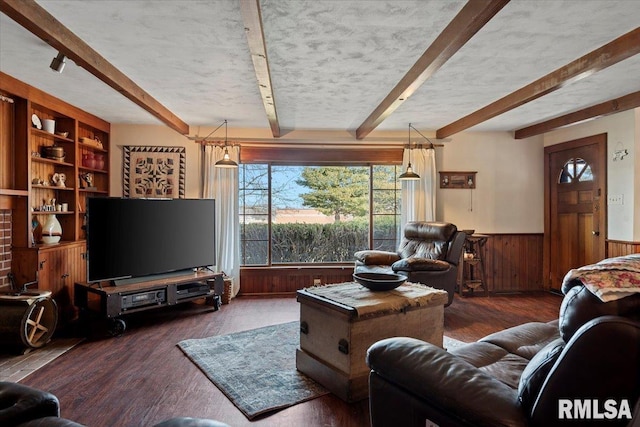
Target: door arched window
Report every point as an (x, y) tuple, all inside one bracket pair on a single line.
[(575, 170)]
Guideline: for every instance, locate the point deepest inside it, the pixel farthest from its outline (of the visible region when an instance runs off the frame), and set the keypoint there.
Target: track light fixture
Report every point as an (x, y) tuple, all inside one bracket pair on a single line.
[(58, 62)]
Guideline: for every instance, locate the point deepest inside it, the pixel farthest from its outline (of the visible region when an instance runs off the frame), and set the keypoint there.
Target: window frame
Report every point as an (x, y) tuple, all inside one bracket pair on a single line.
[(371, 215)]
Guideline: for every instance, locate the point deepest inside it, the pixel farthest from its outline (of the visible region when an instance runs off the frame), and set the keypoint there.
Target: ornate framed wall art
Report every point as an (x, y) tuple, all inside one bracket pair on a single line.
[(153, 172)]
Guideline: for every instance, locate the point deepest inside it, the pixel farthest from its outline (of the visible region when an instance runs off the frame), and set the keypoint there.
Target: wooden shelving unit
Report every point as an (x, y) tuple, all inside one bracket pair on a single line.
[(30, 187)]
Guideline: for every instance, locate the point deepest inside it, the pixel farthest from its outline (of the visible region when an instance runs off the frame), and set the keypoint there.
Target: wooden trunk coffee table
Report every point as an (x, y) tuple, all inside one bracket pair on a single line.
[(339, 322)]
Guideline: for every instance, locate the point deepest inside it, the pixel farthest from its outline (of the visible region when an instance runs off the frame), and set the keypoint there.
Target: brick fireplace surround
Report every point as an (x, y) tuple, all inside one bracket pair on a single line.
[(5, 246)]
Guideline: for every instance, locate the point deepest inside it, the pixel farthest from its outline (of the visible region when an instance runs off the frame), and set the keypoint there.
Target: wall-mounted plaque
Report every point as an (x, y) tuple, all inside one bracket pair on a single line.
[(457, 179)]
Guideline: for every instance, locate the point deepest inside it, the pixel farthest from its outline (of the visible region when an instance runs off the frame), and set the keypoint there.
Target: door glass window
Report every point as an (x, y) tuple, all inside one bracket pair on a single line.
[(575, 170)]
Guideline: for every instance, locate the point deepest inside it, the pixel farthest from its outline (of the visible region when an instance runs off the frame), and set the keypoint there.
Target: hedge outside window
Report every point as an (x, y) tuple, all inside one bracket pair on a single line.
[(316, 214)]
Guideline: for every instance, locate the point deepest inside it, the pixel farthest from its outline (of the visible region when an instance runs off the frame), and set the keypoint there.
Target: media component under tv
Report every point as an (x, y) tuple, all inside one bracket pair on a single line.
[(141, 238)]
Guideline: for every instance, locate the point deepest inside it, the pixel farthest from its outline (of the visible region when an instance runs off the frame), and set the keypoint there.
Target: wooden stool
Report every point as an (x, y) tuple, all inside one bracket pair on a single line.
[(474, 277)]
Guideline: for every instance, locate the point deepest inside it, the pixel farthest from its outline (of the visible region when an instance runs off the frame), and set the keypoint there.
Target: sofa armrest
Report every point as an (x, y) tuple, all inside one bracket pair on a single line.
[(20, 403), (445, 381), (373, 257), (420, 264), (601, 361)]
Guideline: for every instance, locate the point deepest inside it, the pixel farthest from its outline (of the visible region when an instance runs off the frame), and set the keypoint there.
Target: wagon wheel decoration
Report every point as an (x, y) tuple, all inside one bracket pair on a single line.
[(40, 322)]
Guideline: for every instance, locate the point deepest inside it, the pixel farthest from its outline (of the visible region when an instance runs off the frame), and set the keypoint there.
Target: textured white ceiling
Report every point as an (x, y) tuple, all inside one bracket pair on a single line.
[(332, 62)]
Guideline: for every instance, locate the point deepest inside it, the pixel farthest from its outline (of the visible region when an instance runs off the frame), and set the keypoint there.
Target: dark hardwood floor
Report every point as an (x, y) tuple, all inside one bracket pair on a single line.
[(142, 377)]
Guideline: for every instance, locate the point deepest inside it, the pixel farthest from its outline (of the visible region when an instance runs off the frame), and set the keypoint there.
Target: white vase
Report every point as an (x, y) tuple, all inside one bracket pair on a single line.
[(51, 230)]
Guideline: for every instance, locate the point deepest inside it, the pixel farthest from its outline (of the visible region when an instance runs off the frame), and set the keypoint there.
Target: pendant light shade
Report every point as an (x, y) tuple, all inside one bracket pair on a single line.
[(226, 161), (409, 174)]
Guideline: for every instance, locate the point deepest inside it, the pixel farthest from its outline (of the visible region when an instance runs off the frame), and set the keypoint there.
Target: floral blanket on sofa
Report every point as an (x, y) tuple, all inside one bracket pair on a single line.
[(611, 278)]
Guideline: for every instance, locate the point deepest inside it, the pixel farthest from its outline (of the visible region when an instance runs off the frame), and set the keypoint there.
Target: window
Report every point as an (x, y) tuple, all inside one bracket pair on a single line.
[(316, 214), (575, 169)]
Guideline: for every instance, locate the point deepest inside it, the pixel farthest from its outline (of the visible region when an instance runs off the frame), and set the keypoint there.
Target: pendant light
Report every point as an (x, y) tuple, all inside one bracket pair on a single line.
[(409, 174), (226, 161)]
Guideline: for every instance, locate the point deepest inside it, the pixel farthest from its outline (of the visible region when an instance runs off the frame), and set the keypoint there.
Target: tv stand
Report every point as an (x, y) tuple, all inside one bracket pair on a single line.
[(112, 302), (153, 277)]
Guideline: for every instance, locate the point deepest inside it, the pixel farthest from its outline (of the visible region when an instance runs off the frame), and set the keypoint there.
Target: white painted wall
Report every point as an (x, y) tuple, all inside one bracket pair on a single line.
[(622, 133), (122, 134), (509, 193), (508, 197)]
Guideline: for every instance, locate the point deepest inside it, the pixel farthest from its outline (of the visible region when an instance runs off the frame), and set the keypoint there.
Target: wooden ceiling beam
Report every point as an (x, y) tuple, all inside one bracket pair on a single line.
[(612, 106), (619, 49), (41, 23), (471, 18), (252, 18)]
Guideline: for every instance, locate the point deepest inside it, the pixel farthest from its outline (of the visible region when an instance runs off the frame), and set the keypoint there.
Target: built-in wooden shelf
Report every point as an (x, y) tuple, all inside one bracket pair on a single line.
[(52, 187), (46, 134), (51, 162), (53, 212), (12, 192)]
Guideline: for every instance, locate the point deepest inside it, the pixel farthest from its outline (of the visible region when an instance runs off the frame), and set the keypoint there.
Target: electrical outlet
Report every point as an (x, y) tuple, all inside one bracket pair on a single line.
[(317, 282), (615, 199)]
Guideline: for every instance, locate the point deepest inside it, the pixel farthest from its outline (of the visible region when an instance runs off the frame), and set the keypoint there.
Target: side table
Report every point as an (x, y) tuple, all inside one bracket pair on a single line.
[(474, 279)]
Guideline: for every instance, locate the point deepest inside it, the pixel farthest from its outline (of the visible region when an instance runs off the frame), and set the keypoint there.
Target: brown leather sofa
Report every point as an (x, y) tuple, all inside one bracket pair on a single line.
[(516, 377), (429, 253)]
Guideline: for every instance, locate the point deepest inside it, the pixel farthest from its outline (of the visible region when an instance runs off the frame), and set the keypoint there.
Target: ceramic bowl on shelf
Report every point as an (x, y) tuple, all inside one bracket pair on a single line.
[(379, 281), (63, 134)]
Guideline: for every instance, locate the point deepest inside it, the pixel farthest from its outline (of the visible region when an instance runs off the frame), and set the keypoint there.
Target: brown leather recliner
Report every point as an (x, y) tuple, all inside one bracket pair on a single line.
[(429, 253), (517, 377), (24, 406)]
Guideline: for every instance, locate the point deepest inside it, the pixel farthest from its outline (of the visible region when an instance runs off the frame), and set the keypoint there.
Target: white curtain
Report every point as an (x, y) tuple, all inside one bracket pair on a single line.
[(221, 184), (419, 197)]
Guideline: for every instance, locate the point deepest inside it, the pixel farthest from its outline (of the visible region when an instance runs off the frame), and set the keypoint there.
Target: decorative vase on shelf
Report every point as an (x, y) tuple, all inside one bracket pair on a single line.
[(99, 161), (88, 160), (51, 230)]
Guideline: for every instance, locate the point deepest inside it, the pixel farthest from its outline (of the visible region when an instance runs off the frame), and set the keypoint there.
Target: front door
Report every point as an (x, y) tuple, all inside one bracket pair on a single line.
[(575, 192)]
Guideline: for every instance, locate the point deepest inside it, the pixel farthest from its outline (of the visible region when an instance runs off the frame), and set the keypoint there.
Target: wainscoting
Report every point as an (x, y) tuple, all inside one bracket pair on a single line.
[(619, 248), (287, 280), (513, 263)]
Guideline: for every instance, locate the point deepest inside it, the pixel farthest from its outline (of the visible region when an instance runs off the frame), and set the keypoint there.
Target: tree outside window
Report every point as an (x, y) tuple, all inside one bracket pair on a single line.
[(316, 214)]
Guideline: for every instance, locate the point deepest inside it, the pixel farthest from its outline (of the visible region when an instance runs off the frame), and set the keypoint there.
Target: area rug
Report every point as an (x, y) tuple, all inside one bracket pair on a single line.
[(255, 369), (16, 367)]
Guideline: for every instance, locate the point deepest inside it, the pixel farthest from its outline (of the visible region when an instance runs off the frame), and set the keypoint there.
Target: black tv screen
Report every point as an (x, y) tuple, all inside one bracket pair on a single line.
[(141, 237)]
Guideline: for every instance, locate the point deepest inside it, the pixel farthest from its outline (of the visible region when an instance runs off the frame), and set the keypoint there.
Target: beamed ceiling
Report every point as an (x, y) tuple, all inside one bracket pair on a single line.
[(445, 66)]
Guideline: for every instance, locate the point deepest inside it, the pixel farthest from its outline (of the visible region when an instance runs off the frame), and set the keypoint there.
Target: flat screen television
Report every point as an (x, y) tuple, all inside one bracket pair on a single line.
[(137, 238)]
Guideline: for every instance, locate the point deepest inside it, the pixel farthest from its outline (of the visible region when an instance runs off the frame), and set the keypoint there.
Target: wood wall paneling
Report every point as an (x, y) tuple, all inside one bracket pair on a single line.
[(620, 248), (513, 263), (287, 280)]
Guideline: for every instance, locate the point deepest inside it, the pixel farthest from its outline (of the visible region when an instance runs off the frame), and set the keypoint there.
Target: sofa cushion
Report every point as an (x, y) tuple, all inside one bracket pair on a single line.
[(420, 264), (536, 373), (524, 340), (493, 361), (373, 257)]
